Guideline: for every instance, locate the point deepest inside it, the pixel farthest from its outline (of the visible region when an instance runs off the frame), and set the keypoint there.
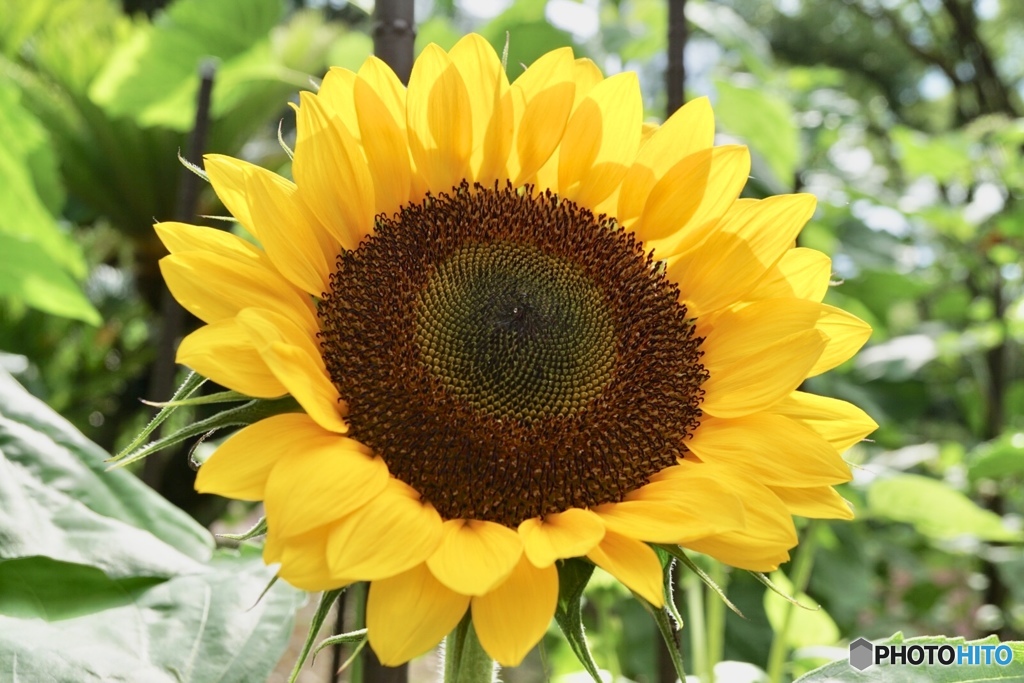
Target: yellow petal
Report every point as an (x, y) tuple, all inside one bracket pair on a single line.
[(380, 98), (223, 352), (302, 559), (513, 617), (846, 334), (227, 175), (294, 358), (337, 96), (322, 479), (689, 130), (840, 423), (439, 120), (767, 538), (675, 197), (730, 167), (770, 448), (673, 520), (739, 334), (474, 556), (543, 96), (633, 563), (601, 140), (331, 173), (490, 104), (752, 237), (817, 502), (802, 273), (390, 534), (240, 466), (213, 288), (299, 247), (181, 237), (408, 614), (571, 533), (760, 382)]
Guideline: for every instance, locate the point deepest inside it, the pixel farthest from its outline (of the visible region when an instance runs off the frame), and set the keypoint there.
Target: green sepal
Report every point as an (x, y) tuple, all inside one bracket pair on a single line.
[(258, 529), (341, 639), (187, 388), (573, 576), (327, 600), (193, 167), (246, 414), (677, 552), (662, 619), (350, 637), (667, 566), (763, 578), (219, 397)]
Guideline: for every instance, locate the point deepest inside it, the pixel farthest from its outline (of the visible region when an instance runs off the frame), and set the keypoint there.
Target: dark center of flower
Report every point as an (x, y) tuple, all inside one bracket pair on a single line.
[(509, 354)]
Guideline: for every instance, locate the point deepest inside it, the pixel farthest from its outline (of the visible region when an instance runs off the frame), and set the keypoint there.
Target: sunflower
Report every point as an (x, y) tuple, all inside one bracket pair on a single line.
[(522, 326)]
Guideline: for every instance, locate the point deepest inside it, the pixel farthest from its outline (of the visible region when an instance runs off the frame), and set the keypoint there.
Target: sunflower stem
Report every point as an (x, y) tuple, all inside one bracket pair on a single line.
[(464, 658), (716, 616), (801, 575), (697, 627)]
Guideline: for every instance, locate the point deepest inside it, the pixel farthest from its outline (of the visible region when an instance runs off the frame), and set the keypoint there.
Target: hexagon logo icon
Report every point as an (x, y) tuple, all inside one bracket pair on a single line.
[(861, 654)]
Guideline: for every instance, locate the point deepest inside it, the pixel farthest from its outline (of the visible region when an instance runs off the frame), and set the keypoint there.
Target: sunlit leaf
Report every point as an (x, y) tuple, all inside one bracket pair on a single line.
[(935, 509)]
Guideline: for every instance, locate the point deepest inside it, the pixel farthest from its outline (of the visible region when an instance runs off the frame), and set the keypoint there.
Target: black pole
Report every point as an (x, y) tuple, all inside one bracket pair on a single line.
[(394, 31), (675, 74)]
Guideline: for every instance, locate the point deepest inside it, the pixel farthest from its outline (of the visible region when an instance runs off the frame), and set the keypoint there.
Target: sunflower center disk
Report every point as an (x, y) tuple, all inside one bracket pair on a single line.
[(509, 354)]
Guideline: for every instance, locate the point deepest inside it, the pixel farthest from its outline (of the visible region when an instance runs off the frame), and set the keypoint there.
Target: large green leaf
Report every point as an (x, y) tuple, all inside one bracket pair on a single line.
[(807, 626), (39, 521), (65, 622), (89, 592), (45, 446), (841, 671), (154, 76), (30, 275), (38, 262), (765, 122), (935, 509)]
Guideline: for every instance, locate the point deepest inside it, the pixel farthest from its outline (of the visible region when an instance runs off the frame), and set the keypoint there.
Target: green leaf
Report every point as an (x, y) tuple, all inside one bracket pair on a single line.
[(806, 627), (573, 576), (44, 445), (202, 627), (39, 521), (1003, 457), (943, 157), (30, 275), (935, 509), (766, 123), (153, 78), (841, 672)]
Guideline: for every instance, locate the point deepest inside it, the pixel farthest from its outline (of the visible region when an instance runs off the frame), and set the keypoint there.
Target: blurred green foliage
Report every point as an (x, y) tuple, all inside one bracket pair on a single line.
[(903, 117)]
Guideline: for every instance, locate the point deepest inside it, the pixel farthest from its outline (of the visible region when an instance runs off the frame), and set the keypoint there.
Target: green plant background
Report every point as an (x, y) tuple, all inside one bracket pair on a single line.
[(903, 117)]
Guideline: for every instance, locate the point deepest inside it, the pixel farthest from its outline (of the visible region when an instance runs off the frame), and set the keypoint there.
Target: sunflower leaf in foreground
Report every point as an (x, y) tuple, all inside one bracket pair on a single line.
[(99, 561), (523, 330)]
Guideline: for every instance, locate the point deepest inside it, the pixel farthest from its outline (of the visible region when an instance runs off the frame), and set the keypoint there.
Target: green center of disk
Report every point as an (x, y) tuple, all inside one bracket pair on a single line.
[(515, 332)]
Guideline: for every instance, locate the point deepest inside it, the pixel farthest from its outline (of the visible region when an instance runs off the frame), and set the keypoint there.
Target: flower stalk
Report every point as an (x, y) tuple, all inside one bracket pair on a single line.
[(464, 658)]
